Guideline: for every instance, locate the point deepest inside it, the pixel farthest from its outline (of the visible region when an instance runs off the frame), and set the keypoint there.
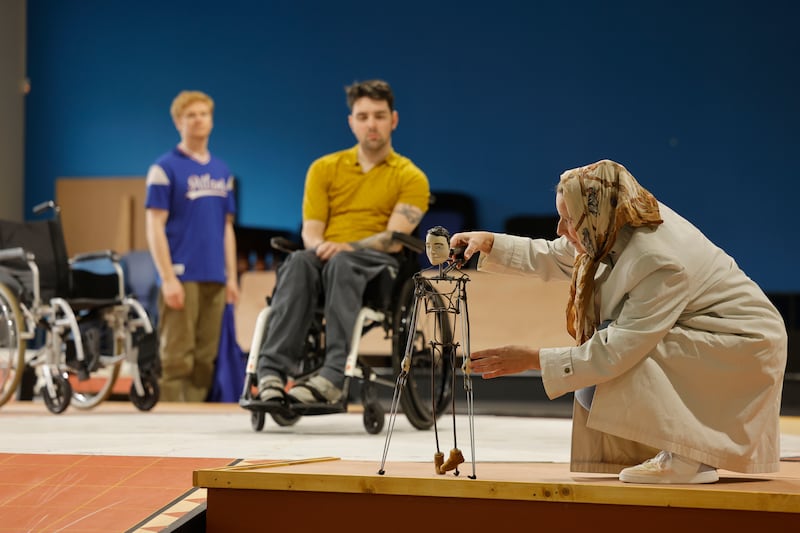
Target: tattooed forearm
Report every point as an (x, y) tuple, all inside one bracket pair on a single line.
[(380, 241), (413, 214), (383, 241)]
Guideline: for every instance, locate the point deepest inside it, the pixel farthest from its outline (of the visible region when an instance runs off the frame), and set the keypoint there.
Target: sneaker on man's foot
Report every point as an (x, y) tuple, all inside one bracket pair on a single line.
[(270, 388), (316, 390), (667, 467)]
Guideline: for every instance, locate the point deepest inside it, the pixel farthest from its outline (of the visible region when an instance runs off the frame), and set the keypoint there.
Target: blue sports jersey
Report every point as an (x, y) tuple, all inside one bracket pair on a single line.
[(198, 197)]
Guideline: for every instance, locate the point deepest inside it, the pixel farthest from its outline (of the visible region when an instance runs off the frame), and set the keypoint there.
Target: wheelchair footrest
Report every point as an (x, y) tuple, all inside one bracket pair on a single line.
[(307, 409), (268, 406), (292, 408), (278, 407), (78, 368)]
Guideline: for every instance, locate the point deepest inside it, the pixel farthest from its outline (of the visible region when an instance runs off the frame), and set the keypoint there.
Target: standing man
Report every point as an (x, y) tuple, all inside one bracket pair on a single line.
[(189, 222), (353, 201)]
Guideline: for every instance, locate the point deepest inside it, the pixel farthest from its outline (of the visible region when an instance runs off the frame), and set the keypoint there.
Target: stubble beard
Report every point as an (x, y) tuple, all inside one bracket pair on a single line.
[(374, 146)]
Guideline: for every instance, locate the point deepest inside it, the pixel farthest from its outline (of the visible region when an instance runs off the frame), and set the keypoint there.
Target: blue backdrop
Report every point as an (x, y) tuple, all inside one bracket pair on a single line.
[(496, 99)]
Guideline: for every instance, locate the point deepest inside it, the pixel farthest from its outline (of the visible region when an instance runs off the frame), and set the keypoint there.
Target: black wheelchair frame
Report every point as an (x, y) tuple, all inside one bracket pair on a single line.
[(429, 386)]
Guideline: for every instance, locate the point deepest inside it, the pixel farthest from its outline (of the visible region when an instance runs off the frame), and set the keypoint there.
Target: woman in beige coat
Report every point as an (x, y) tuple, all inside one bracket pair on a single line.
[(679, 357)]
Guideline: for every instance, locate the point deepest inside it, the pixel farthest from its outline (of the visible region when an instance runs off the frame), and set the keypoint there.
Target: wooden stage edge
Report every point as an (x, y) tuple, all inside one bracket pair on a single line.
[(312, 492)]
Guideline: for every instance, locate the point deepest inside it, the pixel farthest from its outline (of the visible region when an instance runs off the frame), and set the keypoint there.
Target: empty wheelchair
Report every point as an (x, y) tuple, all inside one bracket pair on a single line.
[(69, 320), (388, 304)]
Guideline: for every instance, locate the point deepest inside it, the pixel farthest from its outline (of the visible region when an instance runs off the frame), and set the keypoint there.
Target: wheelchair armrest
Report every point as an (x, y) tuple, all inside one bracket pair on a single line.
[(284, 245), (409, 241), (11, 254), (90, 256), (412, 243)]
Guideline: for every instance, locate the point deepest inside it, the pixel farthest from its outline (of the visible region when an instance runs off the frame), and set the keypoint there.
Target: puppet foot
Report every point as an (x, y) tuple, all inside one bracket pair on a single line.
[(455, 459), (438, 461)]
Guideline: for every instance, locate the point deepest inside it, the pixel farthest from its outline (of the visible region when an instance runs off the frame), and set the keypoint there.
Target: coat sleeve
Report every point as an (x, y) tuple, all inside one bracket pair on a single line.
[(657, 293), (523, 256)]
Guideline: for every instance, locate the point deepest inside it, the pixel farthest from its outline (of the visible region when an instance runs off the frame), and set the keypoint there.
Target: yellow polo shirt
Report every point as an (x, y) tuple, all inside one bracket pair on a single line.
[(355, 205)]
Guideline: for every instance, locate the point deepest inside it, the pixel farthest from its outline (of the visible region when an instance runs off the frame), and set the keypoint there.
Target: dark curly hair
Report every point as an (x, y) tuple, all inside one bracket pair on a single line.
[(374, 89)]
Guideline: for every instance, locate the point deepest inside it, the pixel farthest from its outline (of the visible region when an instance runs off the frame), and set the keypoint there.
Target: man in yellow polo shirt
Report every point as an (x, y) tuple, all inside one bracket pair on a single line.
[(353, 201)]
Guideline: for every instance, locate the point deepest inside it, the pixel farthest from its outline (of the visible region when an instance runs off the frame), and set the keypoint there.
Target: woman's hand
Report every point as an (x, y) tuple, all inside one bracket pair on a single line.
[(505, 360), (473, 241)]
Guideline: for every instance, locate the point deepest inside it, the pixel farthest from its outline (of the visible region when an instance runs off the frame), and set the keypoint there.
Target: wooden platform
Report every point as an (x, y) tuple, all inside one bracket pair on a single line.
[(544, 496)]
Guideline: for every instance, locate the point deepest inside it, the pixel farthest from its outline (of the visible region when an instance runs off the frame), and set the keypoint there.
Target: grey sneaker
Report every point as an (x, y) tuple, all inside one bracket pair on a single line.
[(316, 390), (270, 388)]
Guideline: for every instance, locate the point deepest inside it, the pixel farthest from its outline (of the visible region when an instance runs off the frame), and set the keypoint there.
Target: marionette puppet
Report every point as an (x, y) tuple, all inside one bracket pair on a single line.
[(449, 284)]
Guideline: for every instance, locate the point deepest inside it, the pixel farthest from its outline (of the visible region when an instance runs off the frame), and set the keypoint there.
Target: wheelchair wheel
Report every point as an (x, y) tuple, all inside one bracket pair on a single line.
[(12, 348), (93, 379), (285, 418), (428, 391), (374, 418), (89, 393), (257, 420), (151, 393), (57, 403), (374, 413)]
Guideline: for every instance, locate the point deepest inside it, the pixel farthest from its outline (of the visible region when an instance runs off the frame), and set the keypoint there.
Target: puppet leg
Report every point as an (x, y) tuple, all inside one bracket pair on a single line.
[(402, 378), (467, 372)]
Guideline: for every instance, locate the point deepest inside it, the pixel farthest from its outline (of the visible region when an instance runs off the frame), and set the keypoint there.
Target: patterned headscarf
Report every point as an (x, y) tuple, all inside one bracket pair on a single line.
[(601, 198)]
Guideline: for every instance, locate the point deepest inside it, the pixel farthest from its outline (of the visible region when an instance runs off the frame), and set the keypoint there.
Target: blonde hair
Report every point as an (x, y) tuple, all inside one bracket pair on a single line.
[(185, 99)]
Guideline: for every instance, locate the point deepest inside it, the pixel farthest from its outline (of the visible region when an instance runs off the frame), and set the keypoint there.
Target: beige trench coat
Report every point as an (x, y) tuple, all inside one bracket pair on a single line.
[(692, 361)]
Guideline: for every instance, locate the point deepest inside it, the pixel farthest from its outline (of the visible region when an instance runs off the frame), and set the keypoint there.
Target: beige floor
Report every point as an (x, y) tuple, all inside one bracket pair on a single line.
[(223, 430)]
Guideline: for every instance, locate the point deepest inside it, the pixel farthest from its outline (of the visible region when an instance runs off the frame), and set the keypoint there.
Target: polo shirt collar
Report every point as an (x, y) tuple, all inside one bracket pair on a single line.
[(392, 158)]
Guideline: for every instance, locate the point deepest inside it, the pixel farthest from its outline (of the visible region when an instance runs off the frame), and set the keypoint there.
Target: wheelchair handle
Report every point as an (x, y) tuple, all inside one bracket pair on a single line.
[(10, 254), (410, 242), (90, 256), (42, 207), (284, 245)]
